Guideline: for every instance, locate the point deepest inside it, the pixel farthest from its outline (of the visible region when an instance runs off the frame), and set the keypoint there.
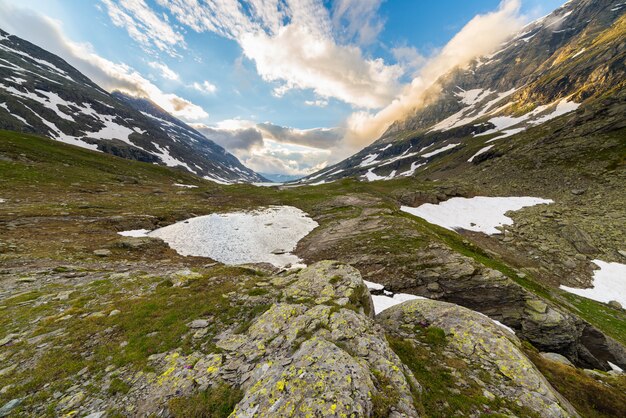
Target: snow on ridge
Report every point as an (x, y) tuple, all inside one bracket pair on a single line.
[(478, 214), (609, 283)]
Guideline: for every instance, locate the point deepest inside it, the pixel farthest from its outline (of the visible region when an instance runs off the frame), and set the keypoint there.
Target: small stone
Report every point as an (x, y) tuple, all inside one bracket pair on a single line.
[(433, 287), (115, 312), (102, 252), (279, 251), (109, 368), (98, 414), (615, 304), (9, 406), (558, 358), (96, 315), (578, 192), (622, 253), (6, 340), (200, 333), (64, 295), (199, 323), (488, 395), (26, 280), (6, 388)]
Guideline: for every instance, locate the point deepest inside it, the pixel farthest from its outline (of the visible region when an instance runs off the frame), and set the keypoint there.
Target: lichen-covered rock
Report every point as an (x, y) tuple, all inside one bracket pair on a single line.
[(318, 355), (328, 281), (477, 339)]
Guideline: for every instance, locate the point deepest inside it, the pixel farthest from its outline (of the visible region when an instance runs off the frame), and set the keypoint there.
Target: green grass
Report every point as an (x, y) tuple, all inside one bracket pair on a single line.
[(440, 396), (591, 398), (215, 402)]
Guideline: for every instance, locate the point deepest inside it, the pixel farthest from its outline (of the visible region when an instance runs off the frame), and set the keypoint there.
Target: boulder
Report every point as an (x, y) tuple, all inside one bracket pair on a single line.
[(485, 345)]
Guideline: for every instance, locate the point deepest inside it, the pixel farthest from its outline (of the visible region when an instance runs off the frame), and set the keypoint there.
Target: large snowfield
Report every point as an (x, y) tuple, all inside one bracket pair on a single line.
[(262, 236), (479, 214)]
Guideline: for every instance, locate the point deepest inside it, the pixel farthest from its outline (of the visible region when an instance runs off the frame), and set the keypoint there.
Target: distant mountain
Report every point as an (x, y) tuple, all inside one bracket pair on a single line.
[(41, 93), (281, 178), (573, 58)]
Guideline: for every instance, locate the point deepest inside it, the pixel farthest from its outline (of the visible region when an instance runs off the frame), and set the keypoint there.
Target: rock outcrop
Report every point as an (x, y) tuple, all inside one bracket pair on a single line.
[(487, 346), (319, 351), (452, 277)]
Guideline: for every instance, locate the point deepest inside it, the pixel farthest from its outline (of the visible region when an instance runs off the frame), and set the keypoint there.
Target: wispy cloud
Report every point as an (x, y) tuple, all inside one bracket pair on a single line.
[(145, 26), (205, 87), (165, 71)]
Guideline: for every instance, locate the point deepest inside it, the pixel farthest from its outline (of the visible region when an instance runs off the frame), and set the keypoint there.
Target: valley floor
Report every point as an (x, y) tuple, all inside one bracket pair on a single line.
[(98, 323)]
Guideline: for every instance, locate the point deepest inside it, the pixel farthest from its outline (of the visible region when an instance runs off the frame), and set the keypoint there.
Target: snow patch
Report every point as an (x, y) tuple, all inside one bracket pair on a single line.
[(136, 233), (414, 166), (440, 150), (186, 186), (266, 235), (479, 214), (482, 151), (609, 283), (368, 160)]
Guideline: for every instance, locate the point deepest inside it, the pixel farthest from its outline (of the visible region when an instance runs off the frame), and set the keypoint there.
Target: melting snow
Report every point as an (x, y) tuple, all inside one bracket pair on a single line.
[(137, 233), (414, 166), (482, 151), (382, 302), (371, 176), (170, 161), (440, 150), (609, 283), (578, 53), (479, 214), (267, 235), (186, 186), (368, 160)]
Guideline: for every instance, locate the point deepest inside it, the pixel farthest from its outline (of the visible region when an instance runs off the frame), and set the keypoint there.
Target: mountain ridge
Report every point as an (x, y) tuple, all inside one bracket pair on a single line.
[(41, 93)]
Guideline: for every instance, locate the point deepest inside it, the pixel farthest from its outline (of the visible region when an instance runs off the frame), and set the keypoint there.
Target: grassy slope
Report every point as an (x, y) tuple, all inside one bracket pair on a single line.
[(55, 191)]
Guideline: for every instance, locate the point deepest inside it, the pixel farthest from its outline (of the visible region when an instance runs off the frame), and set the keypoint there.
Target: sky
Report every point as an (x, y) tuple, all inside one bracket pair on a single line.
[(288, 86)]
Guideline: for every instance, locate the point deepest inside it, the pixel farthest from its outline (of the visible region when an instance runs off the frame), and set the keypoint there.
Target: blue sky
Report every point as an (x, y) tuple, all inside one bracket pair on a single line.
[(313, 69)]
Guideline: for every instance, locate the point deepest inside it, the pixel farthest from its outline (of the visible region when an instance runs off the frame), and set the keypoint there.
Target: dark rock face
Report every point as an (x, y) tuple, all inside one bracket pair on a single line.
[(43, 94), (457, 279)]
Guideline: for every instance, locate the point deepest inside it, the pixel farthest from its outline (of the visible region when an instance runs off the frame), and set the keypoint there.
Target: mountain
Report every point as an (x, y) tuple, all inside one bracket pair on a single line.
[(41, 93), (281, 178), (564, 62)]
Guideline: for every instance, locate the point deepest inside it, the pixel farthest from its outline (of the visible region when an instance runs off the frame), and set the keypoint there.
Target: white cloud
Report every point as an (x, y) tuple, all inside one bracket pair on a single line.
[(48, 34), (317, 103), (205, 87), (293, 44), (269, 148), (357, 20), (165, 71), (409, 58), (301, 59), (144, 25), (480, 36)]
